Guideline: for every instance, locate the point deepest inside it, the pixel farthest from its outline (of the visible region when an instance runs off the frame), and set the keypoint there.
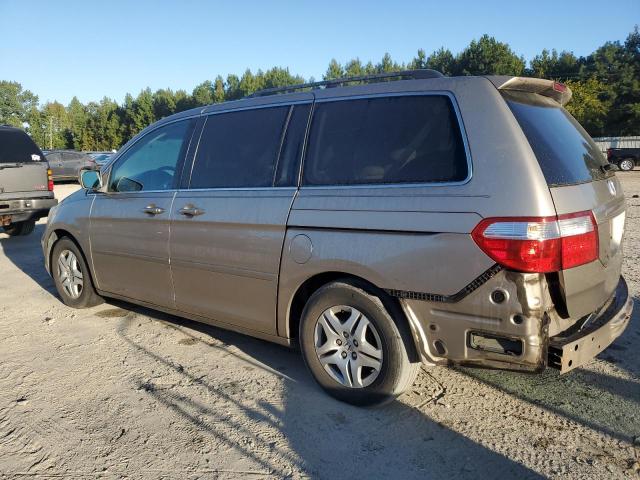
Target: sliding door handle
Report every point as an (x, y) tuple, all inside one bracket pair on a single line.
[(190, 211), (153, 210)]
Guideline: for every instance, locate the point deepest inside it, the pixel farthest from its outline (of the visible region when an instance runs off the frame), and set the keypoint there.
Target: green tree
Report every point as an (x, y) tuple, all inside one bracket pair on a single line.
[(77, 124), (334, 70), (618, 66), (164, 103), (554, 65), (232, 91), (218, 90), (443, 61), (487, 56), (203, 93), (589, 104), (15, 103)]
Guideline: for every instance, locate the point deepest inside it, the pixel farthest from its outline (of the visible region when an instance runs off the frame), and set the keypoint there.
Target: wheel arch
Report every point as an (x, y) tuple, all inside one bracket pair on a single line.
[(54, 237), (312, 284)]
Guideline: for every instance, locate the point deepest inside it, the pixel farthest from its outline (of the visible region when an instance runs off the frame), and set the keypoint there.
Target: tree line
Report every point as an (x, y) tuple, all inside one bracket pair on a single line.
[(605, 85)]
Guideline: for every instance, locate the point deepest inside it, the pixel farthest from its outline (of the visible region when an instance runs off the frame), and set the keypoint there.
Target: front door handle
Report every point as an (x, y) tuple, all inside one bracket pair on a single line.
[(190, 211), (153, 210)]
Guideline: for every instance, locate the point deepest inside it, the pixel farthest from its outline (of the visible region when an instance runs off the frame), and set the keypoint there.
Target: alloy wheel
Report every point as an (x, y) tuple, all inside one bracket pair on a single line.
[(626, 165)]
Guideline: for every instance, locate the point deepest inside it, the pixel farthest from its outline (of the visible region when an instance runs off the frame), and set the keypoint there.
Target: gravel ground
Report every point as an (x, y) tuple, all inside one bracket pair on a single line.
[(119, 391)]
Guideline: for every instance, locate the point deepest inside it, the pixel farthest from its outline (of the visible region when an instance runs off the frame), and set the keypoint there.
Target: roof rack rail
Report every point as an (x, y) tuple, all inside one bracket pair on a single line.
[(404, 74)]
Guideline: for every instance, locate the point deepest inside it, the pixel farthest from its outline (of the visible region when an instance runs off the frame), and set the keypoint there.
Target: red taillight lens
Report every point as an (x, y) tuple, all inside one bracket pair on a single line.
[(608, 153), (50, 180), (539, 244)]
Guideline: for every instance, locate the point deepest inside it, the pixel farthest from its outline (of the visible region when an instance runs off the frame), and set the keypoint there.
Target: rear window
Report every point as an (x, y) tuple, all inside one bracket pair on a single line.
[(17, 147), (399, 139), (566, 153)]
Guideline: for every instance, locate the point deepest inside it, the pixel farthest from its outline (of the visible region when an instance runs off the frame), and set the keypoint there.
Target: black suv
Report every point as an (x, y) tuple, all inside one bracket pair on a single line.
[(625, 158), (26, 185)]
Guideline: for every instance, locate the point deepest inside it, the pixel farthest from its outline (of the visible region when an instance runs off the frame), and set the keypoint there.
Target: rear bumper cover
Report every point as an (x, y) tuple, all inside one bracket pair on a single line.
[(26, 208), (572, 349), (523, 332)]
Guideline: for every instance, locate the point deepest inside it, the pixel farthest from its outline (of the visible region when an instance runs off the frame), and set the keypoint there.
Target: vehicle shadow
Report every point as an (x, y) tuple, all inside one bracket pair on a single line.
[(603, 402), (26, 254), (325, 438)]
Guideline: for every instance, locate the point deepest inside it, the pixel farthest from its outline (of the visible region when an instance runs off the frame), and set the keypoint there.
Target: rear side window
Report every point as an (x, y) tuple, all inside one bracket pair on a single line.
[(239, 149), (17, 147), (566, 153), (410, 139)]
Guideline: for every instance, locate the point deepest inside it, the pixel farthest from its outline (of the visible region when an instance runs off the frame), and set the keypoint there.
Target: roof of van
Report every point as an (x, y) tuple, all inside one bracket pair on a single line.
[(397, 86), (559, 92)]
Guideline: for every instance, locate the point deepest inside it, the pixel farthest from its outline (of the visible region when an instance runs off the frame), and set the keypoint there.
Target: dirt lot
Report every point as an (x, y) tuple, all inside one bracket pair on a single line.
[(119, 391)]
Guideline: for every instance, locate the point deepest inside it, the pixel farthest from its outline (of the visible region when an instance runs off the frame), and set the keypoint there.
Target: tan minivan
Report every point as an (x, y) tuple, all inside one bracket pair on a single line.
[(464, 220)]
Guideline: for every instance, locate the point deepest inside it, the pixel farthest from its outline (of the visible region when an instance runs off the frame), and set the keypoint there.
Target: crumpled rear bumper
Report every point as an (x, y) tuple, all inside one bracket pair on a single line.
[(576, 347), (522, 332)]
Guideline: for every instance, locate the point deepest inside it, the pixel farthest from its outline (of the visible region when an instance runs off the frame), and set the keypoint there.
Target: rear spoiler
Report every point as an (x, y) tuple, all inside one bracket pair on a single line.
[(548, 88)]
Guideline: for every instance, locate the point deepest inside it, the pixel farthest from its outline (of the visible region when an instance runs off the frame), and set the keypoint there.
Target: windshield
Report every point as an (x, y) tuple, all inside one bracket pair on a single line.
[(17, 147), (566, 153)]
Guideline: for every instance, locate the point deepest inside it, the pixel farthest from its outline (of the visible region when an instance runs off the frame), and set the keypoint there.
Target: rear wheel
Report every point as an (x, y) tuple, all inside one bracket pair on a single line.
[(353, 347), (71, 275), (626, 165), (19, 229)]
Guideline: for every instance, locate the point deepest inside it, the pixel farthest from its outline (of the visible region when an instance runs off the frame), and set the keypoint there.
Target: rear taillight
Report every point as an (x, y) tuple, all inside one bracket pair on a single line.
[(539, 244), (608, 154), (49, 180)]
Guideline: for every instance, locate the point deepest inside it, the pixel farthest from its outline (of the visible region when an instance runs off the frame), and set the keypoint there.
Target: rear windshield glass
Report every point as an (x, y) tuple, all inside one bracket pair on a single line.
[(17, 147), (565, 151)]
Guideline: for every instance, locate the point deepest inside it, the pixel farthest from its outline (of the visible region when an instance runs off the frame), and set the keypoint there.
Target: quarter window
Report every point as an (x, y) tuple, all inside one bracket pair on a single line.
[(239, 149), (291, 153), (152, 162), (399, 139)]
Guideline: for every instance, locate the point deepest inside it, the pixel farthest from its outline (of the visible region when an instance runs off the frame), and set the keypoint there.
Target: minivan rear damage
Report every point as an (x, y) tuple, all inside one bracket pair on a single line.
[(511, 323), (560, 298)]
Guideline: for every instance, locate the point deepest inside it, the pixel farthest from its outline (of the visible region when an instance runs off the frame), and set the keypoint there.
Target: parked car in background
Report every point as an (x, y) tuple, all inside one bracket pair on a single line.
[(26, 186), (66, 164), (444, 220), (625, 158), (101, 158)]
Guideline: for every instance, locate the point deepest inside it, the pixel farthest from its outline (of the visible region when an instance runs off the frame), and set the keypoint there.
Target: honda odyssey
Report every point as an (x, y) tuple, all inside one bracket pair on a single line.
[(378, 225)]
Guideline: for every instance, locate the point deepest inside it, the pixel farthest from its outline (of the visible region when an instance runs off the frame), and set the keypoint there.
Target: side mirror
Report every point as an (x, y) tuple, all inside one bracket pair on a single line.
[(90, 179)]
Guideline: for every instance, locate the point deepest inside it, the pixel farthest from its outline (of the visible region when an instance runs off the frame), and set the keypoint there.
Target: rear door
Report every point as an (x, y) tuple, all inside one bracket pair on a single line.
[(579, 180), (228, 226), (129, 227), (23, 168)]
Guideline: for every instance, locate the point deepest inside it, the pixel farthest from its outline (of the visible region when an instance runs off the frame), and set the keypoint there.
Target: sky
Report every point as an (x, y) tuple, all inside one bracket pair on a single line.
[(91, 49)]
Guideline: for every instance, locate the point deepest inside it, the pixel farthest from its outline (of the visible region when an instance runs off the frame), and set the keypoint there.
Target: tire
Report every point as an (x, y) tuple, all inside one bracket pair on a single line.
[(626, 165), (20, 229), (320, 337), (67, 261)]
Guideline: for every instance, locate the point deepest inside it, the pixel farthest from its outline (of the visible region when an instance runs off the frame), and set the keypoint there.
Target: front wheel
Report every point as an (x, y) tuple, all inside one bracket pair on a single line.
[(352, 346), (20, 229), (626, 165), (71, 275)]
